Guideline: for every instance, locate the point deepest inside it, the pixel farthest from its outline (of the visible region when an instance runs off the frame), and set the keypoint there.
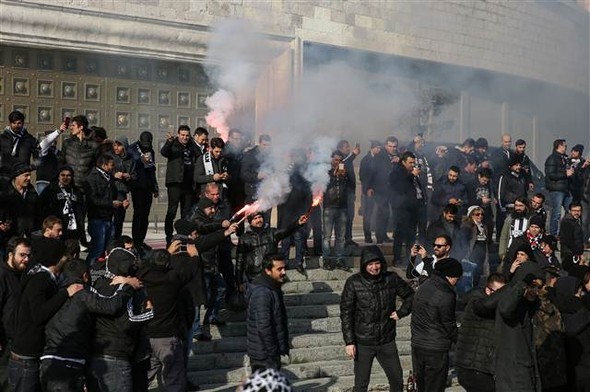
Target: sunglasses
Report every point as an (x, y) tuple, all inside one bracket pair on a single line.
[(439, 245), (477, 213)]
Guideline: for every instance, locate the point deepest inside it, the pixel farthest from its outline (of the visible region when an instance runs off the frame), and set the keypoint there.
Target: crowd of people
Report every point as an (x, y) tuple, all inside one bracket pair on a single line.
[(129, 314)]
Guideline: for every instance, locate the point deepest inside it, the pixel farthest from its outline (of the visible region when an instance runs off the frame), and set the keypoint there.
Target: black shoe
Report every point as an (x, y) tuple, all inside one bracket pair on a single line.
[(351, 243), (341, 266), (368, 240), (190, 386), (203, 338), (301, 269), (146, 247), (216, 322)]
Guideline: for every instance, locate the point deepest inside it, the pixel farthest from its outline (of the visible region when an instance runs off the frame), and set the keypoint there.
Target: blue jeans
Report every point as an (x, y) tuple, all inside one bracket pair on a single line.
[(41, 185), (23, 375), (215, 288), (109, 374), (557, 200), (334, 219), (100, 232), (298, 239)]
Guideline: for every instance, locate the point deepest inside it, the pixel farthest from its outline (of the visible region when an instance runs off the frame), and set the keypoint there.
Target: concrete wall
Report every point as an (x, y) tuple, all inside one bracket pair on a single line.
[(541, 40)]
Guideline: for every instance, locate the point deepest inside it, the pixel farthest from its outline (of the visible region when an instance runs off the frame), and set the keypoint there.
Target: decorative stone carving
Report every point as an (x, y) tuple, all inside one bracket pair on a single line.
[(24, 109), (143, 120), (45, 88), (70, 64), (184, 99), (164, 97), (45, 115), (45, 61), (69, 90), (122, 119), (123, 95), (164, 121), (201, 98), (20, 60), (92, 116), (144, 96), (183, 120), (91, 92)]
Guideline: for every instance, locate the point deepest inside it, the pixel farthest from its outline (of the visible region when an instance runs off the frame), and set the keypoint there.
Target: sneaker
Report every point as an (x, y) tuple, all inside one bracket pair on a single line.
[(341, 266), (351, 243)]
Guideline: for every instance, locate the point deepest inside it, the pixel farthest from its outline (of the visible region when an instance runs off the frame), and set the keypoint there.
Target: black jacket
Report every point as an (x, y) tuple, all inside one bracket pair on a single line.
[(251, 162), (205, 226), (181, 162), (445, 190), (267, 331), (369, 172), (367, 303), (405, 188), (336, 194), (10, 292), (53, 202), (442, 227), (124, 164), (80, 155), (27, 148), (24, 210), (511, 187), (164, 286), (100, 192), (201, 178), (383, 166), (70, 331), (433, 323), (476, 346), (571, 236), (40, 300), (145, 168), (254, 245), (555, 172)]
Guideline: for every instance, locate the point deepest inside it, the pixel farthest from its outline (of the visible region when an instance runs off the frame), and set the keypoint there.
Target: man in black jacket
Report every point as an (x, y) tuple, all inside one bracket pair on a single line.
[(446, 224), (369, 176), (123, 174), (557, 175), (476, 347), (433, 326), (181, 154), (368, 313), (17, 259), (101, 197), (212, 167), (571, 238), (79, 151), (512, 185), (144, 187), (40, 299), (349, 155), (21, 201), (267, 332), (16, 144), (70, 331)]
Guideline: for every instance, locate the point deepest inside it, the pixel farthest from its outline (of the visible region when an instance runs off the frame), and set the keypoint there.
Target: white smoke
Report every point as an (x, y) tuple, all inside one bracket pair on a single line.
[(235, 60)]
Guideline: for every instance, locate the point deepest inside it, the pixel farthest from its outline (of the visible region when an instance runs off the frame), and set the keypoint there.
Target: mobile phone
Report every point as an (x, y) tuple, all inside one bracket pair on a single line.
[(182, 248), (358, 145), (67, 120), (341, 166)]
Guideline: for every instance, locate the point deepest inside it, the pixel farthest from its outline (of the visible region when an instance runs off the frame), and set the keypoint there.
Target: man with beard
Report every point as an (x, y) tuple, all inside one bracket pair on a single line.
[(254, 244), (480, 153), (200, 138), (511, 185), (525, 163), (386, 159), (369, 176), (479, 193), (442, 246), (267, 332), (532, 237), (514, 226), (408, 200), (21, 201), (18, 254), (515, 363), (433, 325), (448, 190), (368, 314), (536, 204), (446, 224), (181, 153), (62, 199), (16, 144), (212, 167), (571, 239), (144, 188), (557, 175)]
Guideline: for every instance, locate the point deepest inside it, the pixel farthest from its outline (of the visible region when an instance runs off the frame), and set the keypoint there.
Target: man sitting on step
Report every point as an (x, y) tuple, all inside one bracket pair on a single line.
[(368, 313)]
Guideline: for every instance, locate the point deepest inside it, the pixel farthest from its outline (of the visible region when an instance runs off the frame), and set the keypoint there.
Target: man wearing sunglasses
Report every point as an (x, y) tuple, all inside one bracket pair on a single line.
[(425, 267)]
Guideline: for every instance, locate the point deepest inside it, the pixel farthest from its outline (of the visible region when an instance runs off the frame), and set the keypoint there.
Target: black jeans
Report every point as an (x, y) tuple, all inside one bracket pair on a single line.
[(177, 194), (350, 199), (23, 374), (474, 381), (368, 207), (431, 369), (263, 364), (388, 358), (382, 219), (142, 203), (63, 376)]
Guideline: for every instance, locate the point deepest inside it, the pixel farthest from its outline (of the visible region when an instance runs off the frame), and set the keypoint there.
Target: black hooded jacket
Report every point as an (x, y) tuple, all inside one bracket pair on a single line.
[(70, 331), (367, 303), (10, 291), (267, 331)]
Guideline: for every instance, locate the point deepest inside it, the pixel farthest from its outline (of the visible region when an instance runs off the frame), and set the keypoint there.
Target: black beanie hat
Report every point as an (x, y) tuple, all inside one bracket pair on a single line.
[(526, 249), (146, 139), (251, 216), (205, 202), (21, 168), (514, 159), (184, 227), (449, 267), (537, 220), (120, 262), (48, 251)]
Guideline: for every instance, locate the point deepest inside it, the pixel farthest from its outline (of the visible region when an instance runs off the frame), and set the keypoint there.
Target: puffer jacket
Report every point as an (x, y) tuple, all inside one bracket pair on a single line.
[(254, 244), (80, 155), (476, 346), (267, 331), (100, 193), (433, 323), (556, 179), (368, 301)]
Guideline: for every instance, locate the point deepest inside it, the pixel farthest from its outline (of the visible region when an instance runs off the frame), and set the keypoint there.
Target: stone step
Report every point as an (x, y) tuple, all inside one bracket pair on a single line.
[(332, 368), (296, 356), (309, 287), (328, 384), (322, 275), (292, 300)]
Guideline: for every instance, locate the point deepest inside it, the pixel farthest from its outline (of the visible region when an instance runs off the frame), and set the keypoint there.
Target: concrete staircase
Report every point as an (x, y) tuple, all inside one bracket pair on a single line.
[(317, 361)]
